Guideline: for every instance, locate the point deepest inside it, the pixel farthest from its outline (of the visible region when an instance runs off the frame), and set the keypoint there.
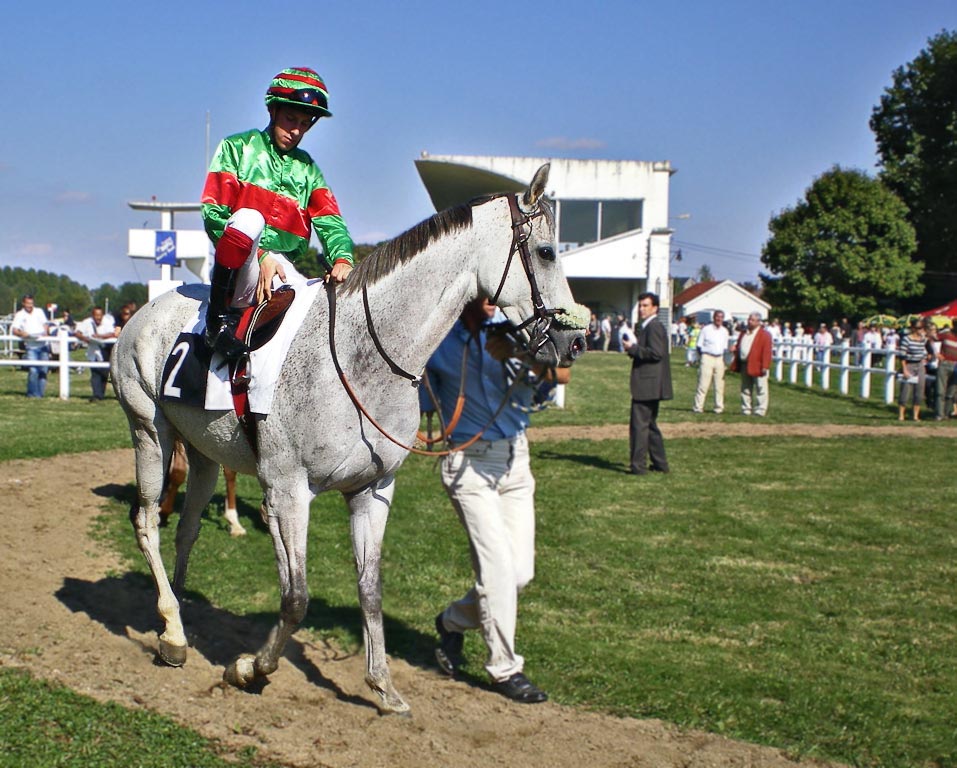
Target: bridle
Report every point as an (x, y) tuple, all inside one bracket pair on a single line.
[(540, 322), (542, 317)]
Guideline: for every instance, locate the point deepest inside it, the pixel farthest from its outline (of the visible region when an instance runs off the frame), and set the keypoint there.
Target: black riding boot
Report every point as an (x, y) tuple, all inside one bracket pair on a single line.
[(220, 323)]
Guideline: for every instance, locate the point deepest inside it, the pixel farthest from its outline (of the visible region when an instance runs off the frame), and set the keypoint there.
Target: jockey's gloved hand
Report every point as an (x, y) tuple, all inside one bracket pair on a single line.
[(221, 336)]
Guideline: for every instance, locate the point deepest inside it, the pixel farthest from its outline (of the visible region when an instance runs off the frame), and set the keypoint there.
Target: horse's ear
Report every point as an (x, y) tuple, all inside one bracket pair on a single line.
[(537, 188)]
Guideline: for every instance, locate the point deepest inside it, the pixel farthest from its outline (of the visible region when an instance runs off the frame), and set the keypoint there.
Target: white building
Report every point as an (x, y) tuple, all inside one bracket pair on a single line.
[(612, 218), (702, 299)]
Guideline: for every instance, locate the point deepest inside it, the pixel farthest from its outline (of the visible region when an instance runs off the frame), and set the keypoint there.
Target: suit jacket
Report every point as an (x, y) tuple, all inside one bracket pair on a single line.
[(651, 364), (759, 358)]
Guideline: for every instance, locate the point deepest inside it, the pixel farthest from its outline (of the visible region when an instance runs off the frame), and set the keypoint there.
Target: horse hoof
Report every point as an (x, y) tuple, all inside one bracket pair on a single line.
[(236, 532), (174, 655), (241, 672), (390, 702)]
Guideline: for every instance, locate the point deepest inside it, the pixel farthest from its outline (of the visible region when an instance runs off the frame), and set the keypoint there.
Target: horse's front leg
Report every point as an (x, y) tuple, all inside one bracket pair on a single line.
[(288, 521), (369, 512), (154, 448)]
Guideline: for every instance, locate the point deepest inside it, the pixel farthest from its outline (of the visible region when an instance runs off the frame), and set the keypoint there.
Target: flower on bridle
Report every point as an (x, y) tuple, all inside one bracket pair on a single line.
[(576, 318)]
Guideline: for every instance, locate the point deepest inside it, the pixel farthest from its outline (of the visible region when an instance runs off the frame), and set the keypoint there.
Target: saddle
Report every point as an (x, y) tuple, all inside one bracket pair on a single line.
[(258, 324)]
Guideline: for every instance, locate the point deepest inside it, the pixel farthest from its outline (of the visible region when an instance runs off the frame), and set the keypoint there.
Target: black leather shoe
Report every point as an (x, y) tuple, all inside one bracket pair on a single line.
[(519, 688), (449, 652)]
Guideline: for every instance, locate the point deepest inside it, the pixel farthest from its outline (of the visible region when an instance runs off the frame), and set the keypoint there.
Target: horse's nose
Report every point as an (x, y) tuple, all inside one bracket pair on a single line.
[(577, 347)]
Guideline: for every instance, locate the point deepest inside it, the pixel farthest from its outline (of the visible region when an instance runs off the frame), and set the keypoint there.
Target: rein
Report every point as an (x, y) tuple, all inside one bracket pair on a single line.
[(541, 322)]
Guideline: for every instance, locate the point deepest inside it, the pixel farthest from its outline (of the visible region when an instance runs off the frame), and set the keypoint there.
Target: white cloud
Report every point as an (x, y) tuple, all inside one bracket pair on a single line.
[(563, 142), (35, 249), (70, 196)]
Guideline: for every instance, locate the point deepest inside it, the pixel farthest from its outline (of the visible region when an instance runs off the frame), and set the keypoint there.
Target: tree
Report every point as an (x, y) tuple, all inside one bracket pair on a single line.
[(915, 125), (704, 274), (841, 250)]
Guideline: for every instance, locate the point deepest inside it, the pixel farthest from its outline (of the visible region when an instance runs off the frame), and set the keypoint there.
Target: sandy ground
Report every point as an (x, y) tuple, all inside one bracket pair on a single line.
[(70, 613)]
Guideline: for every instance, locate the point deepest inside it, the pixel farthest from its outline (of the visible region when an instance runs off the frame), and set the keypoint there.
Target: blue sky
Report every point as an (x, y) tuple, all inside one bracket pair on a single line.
[(106, 102)]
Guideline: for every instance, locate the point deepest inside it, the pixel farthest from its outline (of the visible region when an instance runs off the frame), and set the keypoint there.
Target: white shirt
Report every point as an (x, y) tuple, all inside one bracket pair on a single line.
[(33, 324), (90, 330), (872, 340), (713, 340)]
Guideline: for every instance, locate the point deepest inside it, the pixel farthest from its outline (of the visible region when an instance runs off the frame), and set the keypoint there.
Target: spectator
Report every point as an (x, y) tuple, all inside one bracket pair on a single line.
[(822, 340), (594, 332), (873, 342), (712, 345), (691, 353), (947, 373), (891, 340), (752, 357), (913, 356), (98, 332), (491, 487), (605, 332), (836, 334), (122, 317), (650, 384), (933, 392), (625, 334), (30, 323)]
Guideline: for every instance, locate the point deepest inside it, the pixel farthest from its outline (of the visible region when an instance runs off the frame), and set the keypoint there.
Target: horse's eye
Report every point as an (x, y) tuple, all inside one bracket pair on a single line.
[(547, 252)]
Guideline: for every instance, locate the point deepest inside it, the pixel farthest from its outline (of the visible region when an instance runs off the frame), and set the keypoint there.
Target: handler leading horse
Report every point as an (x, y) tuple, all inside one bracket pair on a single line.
[(391, 315)]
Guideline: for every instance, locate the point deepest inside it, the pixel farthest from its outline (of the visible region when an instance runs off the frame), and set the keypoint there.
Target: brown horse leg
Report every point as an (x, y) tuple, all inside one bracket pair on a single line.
[(231, 514), (175, 477)]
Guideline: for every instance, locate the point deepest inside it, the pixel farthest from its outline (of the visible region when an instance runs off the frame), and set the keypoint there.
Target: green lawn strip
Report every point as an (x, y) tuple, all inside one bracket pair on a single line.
[(43, 725), (779, 590)]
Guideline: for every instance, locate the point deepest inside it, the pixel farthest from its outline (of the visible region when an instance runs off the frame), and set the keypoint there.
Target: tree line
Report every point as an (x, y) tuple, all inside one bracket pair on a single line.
[(79, 300), (66, 293), (858, 244)]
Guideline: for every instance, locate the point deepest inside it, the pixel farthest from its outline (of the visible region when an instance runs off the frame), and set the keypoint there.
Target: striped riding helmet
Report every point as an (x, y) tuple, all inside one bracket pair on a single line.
[(301, 87)]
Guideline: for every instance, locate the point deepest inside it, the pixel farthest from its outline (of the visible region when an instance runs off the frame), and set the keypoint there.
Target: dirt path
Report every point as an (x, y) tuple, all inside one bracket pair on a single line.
[(66, 615)]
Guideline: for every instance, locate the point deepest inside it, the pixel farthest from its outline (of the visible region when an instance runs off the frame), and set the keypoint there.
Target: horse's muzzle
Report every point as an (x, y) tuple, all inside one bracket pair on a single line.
[(562, 348)]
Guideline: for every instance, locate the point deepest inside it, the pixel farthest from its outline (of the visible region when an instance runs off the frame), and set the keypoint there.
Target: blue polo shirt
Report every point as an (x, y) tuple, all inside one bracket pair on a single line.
[(486, 384)]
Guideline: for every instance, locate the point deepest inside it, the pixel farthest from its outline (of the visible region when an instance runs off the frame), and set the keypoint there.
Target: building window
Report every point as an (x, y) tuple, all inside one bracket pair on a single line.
[(586, 221), (619, 216)]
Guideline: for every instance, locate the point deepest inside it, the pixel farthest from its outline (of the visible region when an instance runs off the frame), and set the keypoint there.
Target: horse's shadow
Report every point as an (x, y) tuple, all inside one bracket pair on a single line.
[(129, 600)]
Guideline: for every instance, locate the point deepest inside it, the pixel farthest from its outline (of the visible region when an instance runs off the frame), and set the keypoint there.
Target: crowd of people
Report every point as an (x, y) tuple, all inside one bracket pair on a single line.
[(97, 333)]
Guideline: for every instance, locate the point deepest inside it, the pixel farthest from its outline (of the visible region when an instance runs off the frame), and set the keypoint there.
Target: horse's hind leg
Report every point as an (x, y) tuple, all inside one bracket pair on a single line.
[(369, 512), (200, 484), (153, 441), (231, 513)]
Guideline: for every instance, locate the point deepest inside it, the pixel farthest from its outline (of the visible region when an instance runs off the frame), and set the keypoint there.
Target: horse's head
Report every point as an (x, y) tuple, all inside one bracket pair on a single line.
[(536, 297)]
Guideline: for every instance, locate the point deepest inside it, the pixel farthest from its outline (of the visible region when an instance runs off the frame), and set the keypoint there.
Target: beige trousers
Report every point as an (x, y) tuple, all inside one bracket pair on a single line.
[(754, 394), (710, 369)]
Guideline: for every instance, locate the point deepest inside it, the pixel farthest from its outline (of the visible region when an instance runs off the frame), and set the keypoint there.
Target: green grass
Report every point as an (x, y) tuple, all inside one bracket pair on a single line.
[(794, 592), (48, 726)]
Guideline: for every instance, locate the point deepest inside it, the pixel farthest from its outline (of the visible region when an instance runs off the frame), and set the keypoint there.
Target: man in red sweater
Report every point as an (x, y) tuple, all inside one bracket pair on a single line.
[(752, 357)]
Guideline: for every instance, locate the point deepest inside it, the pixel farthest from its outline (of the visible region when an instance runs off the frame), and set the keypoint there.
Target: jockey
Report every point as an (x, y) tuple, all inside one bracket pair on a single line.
[(262, 195)]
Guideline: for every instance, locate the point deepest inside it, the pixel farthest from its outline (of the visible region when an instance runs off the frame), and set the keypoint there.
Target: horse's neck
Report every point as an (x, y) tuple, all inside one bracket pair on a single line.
[(414, 308)]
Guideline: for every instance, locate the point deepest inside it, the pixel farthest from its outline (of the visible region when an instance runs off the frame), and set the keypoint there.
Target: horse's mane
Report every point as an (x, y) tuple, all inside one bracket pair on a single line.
[(389, 255)]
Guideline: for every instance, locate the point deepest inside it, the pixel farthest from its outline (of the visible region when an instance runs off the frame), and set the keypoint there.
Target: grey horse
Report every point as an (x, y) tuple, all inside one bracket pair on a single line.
[(316, 438)]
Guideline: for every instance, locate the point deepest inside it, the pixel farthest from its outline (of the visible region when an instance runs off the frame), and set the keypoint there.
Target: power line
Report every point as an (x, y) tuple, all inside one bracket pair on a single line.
[(725, 252)]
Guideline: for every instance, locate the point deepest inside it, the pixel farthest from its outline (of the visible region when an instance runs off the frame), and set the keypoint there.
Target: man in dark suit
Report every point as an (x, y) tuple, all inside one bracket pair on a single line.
[(650, 384)]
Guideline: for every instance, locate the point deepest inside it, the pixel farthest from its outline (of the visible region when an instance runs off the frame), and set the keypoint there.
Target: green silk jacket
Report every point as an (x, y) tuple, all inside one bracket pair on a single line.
[(288, 189)]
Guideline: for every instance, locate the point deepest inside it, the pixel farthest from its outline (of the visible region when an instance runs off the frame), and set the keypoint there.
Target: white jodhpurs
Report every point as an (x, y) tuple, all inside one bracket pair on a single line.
[(251, 223), (493, 491)]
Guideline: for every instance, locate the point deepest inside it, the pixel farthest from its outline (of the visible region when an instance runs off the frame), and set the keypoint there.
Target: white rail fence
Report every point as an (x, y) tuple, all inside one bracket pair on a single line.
[(806, 364), (60, 346)]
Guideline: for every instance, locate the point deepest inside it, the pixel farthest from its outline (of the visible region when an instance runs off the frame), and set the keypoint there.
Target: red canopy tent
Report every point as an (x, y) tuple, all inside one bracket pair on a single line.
[(948, 310)]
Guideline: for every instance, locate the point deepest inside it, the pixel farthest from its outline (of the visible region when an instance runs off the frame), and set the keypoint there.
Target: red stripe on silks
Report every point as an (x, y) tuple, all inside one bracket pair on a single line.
[(222, 188), (233, 248), (322, 203), (280, 212)]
